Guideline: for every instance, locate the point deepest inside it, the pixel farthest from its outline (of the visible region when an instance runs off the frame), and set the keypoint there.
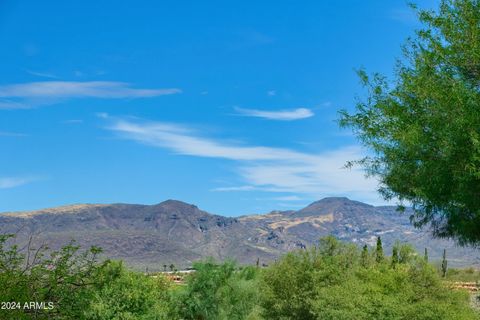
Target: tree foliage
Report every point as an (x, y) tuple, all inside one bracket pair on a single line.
[(63, 278), (312, 284), (122, 294), (77, 285), (424, 127), (332, 280), (217, 291)]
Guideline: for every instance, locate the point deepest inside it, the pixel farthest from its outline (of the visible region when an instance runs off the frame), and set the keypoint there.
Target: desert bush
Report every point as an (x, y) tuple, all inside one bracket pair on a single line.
[(330, 281), (218, 291)]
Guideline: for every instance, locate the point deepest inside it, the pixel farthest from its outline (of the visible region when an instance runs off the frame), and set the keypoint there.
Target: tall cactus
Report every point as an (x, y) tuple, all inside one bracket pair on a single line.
[(394, 256), (379, 250), (444, 263), (364, 258)]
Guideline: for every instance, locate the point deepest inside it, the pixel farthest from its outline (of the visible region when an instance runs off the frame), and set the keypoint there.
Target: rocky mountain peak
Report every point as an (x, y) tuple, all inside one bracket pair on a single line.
[(331, 205), (179, 232), (172, 204)]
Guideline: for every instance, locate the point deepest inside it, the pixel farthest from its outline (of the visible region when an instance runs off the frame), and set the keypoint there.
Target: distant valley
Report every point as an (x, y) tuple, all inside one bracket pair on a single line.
[(149, 236)]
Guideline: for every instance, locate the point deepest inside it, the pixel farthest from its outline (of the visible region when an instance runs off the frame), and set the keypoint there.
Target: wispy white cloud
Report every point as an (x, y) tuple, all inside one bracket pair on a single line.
[(12, 134), (282, 115), (76, 89), (238, 188), (12, 182), (183, 140), (42, 74), (326, 104), (25, 95), (288, 198), (271, 93), (73, 121), (10, 104), (102, 115), (291, 206), (262, 168), (293, 198)]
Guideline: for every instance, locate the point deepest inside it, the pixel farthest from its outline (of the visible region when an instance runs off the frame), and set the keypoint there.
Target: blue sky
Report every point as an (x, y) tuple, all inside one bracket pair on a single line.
[(229, 105)]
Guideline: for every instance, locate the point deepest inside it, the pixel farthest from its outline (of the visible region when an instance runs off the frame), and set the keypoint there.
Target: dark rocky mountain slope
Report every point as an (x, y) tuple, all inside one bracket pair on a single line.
[(179, 233)]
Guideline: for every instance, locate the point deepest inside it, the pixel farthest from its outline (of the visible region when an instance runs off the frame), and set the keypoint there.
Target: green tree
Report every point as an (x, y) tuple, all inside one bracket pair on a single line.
[(122, 294), (78, 285), (406, 253), (317, 284), (218, 291), (239, 296), (288, 286), (423, 128), (62, 277)]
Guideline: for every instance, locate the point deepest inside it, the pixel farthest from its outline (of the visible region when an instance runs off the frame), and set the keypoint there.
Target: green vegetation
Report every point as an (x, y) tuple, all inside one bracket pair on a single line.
[(332, 280), (463, 275), (423, 128), (121, 294), (218, 291), (77, 285)]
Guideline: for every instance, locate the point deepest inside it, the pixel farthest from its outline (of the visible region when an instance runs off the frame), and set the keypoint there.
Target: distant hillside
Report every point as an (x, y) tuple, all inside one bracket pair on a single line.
[(180, 233)]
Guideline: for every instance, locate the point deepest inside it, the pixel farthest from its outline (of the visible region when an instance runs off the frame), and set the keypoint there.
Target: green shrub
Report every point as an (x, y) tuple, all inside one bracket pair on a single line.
[(337, 284), (218, 291), (332, 280), (123, 294)]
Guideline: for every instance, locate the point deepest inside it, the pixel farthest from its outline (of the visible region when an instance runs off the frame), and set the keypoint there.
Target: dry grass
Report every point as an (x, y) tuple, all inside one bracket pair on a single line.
[(315, 221), (58, 210)]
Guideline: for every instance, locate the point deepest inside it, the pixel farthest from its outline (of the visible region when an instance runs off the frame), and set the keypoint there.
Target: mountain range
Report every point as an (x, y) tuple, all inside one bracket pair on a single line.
[(174, 232)]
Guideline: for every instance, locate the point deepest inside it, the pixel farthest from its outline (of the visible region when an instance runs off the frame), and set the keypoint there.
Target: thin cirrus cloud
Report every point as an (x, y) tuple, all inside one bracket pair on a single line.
[(259, 168), (281, 115), (237, 188), (12, 182), (12, 134), (25, 95), (42, 74)]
